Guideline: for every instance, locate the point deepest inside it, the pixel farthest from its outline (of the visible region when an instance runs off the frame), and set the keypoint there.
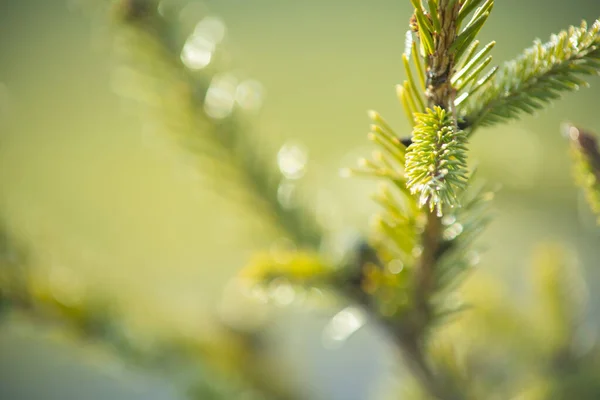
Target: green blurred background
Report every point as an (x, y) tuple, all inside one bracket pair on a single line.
[(106, 205)]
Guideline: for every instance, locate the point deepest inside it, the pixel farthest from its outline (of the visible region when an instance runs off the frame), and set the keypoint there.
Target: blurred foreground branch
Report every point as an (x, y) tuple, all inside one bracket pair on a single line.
[(181, 92), (586, 157)]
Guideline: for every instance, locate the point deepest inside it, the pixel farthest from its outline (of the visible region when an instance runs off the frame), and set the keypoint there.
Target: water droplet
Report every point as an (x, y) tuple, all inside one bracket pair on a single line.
[(249, 95), (473, 258), (197, 52), (417, 251), (453, 231), (395, 266), (342, 326), (281, 292), (573, 132), (448, 219), (259, 293), (220, 97), (292, 158)]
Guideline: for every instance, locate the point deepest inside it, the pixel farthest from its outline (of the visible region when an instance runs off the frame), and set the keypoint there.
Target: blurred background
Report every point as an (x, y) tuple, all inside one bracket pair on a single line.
[(107, 206)]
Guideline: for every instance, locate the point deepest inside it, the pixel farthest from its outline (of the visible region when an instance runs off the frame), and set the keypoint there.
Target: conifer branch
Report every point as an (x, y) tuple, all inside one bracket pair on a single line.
[(541, 74), (148, 44), (432, 212), (428, 177), (422, 253), (432, 168), (586, 159), (208, 369)]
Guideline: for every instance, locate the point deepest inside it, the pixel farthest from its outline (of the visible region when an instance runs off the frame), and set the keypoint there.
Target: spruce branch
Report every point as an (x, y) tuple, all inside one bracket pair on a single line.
[(428, 178), (541, 74), (433, 211), (432, 214), (147, 43), (586, 163)]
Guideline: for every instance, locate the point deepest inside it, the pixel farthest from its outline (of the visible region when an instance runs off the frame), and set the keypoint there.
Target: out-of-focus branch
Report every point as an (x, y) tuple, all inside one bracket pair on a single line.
[(586, 157), (148, 43), (224, 368)]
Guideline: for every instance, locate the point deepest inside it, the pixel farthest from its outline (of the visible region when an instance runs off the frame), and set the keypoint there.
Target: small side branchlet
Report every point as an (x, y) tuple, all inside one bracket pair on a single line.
[(586, 159), (541, 74)]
